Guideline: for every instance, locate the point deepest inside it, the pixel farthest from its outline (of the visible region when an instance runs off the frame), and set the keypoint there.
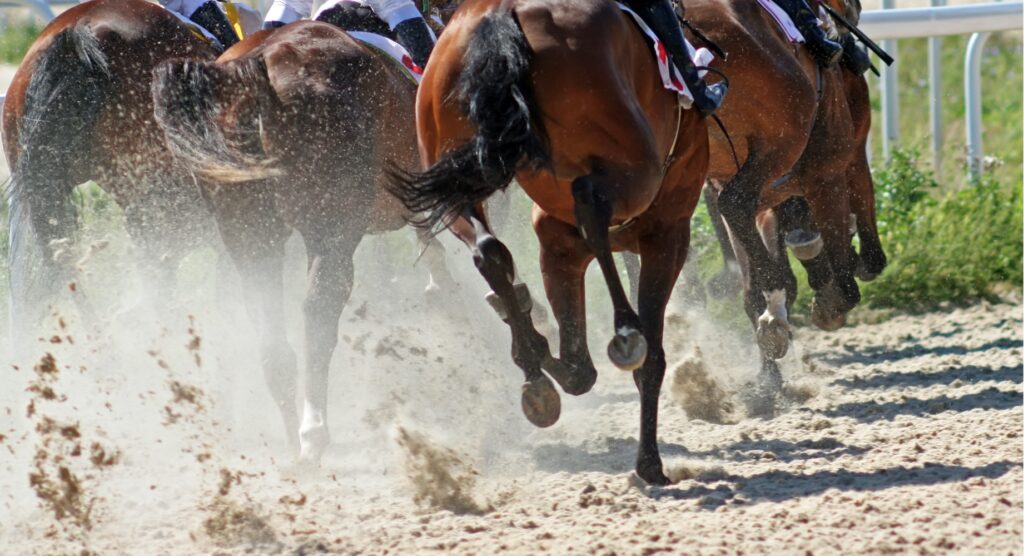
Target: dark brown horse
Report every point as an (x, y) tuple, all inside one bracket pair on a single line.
[(292, 130), (566, 98), (799, 133), (79, 109)]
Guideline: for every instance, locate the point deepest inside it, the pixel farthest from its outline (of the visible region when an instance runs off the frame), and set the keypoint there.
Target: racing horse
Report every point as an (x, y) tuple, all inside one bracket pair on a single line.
[(291, 129), (79, 109), (566, 98), (798, 176)]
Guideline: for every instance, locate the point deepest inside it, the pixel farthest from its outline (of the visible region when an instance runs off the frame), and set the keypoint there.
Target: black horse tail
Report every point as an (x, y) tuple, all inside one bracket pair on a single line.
[(496, 89), (212, 116), (71, 80)]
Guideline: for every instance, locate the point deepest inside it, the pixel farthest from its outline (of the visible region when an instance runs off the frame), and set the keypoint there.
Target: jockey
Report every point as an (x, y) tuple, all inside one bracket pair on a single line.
[(662, 19), (208, 15), (824, 50), (405, 21)]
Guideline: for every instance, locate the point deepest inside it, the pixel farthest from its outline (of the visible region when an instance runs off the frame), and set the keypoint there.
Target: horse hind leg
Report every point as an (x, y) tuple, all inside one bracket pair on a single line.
[(628, 348), (530, 350), (330, 276)]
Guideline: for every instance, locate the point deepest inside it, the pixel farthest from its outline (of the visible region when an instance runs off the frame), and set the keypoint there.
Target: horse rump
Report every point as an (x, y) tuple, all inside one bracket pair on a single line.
[(212, 116), (498, 96)]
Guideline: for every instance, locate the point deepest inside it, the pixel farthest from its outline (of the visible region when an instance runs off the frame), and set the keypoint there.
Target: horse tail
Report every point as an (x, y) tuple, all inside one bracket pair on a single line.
[(71, 80), (496, 89), (212, 116)]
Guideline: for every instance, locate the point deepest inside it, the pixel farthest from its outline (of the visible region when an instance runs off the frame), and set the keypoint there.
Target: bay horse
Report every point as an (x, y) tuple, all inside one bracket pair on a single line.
[(565, 97), (79, 109), (292, 129), (799, 133)]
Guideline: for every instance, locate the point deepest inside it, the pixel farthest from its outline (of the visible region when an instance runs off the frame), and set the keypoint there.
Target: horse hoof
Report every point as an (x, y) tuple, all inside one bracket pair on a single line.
[(825, 320), (805, 245), (541, 403), (653, 474), (773, 337), (863, 273), (313, 443), (628, 349)]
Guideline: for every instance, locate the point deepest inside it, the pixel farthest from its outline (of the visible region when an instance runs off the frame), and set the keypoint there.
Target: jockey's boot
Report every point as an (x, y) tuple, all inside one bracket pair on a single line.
[(824, 50), (273, 24), (659, 15), (212, 18), (855, 58), (414, 35)]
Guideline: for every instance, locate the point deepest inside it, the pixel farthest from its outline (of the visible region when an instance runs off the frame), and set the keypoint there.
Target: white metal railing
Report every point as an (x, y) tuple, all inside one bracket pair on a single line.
[(977, 19)]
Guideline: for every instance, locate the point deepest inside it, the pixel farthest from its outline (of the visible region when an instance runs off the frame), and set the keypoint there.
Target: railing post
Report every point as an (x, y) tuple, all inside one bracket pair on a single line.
[(935, 100), (890, 96), (972, 102)]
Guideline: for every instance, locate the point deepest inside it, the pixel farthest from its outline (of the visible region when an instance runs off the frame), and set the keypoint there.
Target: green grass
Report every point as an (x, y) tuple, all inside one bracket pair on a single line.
[(15, 40)]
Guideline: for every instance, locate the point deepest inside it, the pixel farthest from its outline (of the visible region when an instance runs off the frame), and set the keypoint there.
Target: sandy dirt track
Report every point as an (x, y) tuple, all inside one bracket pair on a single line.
[(899, 437)]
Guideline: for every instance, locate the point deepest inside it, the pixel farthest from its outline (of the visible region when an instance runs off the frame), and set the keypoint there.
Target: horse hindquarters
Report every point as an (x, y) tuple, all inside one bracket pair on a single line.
[(70, 80), (492, 77)]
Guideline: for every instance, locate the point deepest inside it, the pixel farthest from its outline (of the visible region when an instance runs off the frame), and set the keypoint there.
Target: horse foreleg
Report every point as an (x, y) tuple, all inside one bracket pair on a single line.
[(593, 209), (871, 260), (564, 258), (662, 256), (530, 351), (330, 283), (255, 237), (830, 212)]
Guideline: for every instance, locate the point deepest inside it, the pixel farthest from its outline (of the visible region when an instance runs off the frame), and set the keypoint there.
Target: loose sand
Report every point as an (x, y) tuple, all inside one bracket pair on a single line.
[(897, 437)]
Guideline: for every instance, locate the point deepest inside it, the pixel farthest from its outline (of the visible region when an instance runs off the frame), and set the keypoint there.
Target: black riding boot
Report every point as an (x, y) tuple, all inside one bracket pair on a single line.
[(661, 18), (272, 25), (212, 18), (415, 36), (854, 57), (824, 50)]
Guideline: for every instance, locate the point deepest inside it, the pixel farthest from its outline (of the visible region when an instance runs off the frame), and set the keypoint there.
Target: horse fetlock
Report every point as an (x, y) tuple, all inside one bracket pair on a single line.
[(829, 307), (523, 299), (313, 434), (575, 380), (804, 244), (627, 350), (540, 402)]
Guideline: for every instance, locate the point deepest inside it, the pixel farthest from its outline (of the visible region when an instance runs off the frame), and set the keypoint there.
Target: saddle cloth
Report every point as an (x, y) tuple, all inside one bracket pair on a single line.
[(783, 20), (670, 76)]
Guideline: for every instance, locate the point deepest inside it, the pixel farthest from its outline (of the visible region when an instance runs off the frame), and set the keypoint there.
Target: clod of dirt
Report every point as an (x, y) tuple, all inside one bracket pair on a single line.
[(233, 524), (701, 397), (439, 477), (686, 470)]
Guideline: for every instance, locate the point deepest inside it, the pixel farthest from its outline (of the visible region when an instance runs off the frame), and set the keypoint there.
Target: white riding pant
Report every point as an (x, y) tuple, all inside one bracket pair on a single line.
[(392, 12)]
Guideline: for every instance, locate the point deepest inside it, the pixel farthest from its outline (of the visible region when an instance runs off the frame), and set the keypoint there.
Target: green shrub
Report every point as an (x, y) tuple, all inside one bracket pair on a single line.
[(955, 247), (15, 41)]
